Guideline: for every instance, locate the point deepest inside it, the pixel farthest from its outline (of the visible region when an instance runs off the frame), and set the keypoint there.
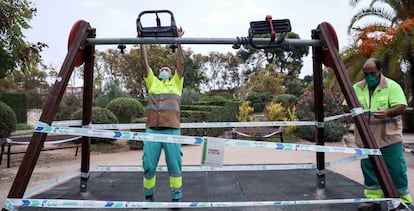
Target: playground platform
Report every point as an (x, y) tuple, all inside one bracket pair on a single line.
[(293, 187)]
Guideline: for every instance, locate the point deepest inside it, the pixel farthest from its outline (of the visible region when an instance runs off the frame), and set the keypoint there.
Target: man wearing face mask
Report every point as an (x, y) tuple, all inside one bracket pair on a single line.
[(386, 101), (163, 117)]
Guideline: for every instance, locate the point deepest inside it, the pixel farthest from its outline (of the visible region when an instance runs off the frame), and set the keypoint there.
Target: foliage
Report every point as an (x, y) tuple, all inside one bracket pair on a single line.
[(332, 105), (291, 117), (69, 104), (287, 100), (126, 109), (278, 112), (126, 68), (259, 100), (99, 116), (35, 99), (190, 96), (245, 112), (275, 112), (14, 50), (18, 103), (24, 126), (193, 75), (220, 70), (267, 80), (289, 61), (388, 36), (209, 109), (111, 91), (8, 120), (295, 86)]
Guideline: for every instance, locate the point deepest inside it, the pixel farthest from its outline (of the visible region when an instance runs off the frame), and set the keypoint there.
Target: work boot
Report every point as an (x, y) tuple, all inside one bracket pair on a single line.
[(369, 206), (149, 198)]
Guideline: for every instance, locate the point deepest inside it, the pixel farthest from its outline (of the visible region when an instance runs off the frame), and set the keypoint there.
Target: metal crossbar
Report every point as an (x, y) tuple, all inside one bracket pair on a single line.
[(205, 40)]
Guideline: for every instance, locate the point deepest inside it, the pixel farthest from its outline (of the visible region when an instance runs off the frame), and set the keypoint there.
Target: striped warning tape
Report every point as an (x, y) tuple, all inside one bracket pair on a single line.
[(196, 140), (12, 204), (185, 125), (10, 141), (269, 167), (68, 123)]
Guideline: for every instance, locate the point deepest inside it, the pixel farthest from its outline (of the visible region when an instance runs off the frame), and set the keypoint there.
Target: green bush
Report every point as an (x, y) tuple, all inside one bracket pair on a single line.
[(259, 100), (8, 120), (209, 109), (99, 116), (69, 104), (110, 91), (287, 100), (18, 103), (190, 96), (126, 109), (35, 99), (305, 111)]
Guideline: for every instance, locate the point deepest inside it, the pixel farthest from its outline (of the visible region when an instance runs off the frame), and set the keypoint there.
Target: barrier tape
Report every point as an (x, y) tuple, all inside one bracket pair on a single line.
[(10, 141), (12, 204), (209, 168), (269, 167), (127, 135), (185, 125), (68, 123), (196, 140)]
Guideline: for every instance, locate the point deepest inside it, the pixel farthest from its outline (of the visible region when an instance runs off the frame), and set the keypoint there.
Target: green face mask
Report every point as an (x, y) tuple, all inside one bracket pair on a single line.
[(372, 80)]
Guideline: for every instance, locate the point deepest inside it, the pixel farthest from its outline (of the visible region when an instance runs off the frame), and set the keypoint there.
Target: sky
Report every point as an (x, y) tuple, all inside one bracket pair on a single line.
[(199, 19)]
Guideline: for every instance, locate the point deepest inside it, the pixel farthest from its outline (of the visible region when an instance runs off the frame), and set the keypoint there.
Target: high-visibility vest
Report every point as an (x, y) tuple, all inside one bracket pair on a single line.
[(164, 101), (387, 94)]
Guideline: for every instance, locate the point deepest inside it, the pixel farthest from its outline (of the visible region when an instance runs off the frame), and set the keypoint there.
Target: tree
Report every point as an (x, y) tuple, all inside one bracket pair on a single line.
[(126, 68), (267, 80), (390, 37), (110, 91), (14, 50), (221, 70), (288, 59)]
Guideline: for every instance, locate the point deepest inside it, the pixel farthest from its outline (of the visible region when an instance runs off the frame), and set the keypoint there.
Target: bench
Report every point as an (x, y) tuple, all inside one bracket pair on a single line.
[(258, 132), (50, 144)]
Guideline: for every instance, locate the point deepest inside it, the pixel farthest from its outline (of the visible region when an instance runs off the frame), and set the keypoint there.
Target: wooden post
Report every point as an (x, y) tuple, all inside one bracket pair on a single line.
[(361, 123), (49, 110), (87, 110), (319, 114)]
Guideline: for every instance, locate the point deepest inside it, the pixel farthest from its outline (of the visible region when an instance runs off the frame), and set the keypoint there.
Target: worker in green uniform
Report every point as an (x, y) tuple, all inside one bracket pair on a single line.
[(163, 117), (386, 101)]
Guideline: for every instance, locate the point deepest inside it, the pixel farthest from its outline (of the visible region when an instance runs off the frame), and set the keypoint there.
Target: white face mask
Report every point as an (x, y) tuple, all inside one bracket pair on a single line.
[(164, 75)]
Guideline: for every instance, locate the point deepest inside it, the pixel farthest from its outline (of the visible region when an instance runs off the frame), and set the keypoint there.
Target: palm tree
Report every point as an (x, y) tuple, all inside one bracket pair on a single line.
[(384, 29)]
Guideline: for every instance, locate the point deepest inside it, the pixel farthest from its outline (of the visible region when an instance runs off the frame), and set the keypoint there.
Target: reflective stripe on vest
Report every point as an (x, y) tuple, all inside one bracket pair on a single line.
[(164, 107), (160, 102), (158, 97)]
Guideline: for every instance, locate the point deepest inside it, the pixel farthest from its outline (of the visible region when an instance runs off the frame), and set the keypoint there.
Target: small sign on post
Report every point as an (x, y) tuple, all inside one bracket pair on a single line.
[(213, 152)]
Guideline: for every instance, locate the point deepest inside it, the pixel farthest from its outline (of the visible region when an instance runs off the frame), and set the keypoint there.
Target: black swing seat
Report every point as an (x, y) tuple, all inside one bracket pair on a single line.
[(263, 27), (159, 30), (277, 29)]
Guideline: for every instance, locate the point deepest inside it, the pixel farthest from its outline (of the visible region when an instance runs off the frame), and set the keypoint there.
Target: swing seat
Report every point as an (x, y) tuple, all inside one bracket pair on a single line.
[(277, 29), (158, 30), (263, 27)]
